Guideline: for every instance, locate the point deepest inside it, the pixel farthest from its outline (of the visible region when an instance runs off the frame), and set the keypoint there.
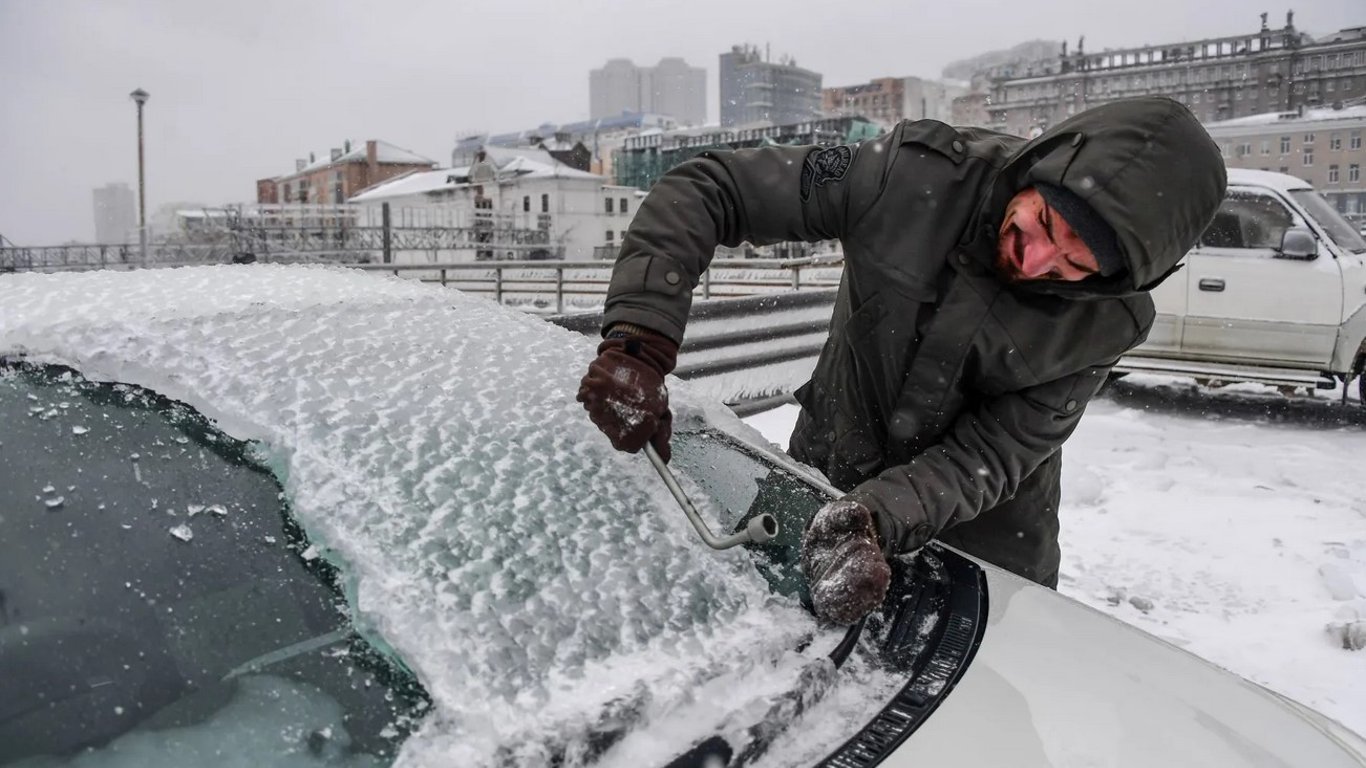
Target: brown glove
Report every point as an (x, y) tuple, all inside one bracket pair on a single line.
[(624, 390), (844, 566)]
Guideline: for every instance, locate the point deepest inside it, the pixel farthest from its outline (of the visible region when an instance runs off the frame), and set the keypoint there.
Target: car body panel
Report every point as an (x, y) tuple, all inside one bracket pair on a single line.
[(1056, 683)]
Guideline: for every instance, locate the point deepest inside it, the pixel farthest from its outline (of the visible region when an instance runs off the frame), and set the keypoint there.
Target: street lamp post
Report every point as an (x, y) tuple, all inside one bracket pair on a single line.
[(140, 96)]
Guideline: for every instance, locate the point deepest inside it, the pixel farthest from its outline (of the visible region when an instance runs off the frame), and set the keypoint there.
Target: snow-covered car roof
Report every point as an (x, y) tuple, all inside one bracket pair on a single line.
[(1282, 182), (431, 443)]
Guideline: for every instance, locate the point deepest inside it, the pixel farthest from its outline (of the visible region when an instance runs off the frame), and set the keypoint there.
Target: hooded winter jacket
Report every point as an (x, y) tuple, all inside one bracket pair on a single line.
[(942, 386)]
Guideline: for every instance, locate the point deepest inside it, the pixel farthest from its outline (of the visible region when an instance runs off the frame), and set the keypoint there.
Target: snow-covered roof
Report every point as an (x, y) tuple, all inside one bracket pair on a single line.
[(384, 153), (513, 164), (1280, 118), (1279, 181), (201, 213)]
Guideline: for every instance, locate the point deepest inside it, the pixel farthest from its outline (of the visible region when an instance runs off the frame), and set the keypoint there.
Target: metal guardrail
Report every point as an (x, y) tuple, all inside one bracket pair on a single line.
[(727, 278), (713, 335)]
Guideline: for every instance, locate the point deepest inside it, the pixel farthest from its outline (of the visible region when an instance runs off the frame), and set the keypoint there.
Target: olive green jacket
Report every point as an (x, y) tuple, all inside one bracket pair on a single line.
[(941, 386)]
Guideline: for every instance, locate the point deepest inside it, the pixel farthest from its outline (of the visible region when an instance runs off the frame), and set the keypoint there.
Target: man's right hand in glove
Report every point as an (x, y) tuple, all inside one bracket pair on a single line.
[(844, 566), (624, 390)]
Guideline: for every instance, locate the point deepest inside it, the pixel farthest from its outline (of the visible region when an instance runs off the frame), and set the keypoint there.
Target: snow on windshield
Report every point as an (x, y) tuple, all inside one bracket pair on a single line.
[(530, 574)]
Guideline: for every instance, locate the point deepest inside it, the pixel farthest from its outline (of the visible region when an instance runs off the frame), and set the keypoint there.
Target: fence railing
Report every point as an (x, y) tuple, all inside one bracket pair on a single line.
[(729, 341), (557, 286)]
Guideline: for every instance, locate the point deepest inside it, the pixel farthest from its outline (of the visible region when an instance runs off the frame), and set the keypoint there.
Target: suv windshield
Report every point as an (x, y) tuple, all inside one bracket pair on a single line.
[(1328, 217), (158, 604)]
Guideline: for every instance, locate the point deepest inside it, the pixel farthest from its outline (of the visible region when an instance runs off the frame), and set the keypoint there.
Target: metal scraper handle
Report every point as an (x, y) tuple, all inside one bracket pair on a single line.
[(760, 529)]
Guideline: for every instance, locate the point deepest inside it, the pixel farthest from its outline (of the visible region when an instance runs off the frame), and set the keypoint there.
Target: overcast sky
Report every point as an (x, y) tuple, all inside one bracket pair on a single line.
[(240, 88)]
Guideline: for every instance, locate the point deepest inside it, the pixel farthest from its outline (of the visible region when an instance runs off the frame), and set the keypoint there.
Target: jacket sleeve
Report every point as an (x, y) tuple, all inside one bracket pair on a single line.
[(761, 196), (980, 462)]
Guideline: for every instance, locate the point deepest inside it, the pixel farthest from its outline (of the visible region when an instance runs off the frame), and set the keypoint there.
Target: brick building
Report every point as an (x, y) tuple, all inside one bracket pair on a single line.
[(342, 174), (1269, 70)]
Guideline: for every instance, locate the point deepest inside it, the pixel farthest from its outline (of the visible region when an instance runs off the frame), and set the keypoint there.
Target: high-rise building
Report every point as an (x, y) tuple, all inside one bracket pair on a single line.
[(671, 88), (756, 90), (116, 214), (1270, 70)]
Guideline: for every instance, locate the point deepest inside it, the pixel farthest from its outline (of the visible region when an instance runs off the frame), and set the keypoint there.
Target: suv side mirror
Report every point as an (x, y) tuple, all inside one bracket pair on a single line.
[(1298, 243)]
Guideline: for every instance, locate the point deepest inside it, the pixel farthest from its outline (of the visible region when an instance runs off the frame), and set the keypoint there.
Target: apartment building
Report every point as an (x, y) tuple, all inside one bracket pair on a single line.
[(755, 90), (1322, 146), (671, 88)]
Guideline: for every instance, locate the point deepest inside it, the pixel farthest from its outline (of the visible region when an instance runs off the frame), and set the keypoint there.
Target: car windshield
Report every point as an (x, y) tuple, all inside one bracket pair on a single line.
[(159, 602), (1338, 228)]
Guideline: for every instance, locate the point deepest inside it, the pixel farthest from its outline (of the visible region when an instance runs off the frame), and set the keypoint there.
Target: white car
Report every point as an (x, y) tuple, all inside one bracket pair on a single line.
[(1274, 292), (264, 515)]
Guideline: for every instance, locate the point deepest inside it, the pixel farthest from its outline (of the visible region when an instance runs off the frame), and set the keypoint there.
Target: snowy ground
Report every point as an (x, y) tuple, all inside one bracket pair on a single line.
[(1231, 523)]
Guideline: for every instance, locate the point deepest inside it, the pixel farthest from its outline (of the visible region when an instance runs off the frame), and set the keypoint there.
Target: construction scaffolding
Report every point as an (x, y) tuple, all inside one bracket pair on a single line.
[(341, 234), (643, 159)]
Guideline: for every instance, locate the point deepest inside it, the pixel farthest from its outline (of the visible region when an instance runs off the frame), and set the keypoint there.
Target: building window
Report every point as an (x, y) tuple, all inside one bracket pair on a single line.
[(545, 203), (1334, 141), (1284, 169), (1266, 146), (1354, 173), (1332, 174), (1329, 86), (610, 235), (1226, 149), (1244, 149), (1308, 156), (1354, 141), (1285, 145), (608, 203), (1196, 98), (526, 204), (1308, 138), (622, 207)]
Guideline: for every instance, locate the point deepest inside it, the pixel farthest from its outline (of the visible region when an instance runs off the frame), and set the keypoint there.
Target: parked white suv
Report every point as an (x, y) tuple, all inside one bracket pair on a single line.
[(1275, 292)]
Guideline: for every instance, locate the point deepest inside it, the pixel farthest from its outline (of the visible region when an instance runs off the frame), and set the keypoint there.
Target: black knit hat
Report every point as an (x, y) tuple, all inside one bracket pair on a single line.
[(1089, 226)]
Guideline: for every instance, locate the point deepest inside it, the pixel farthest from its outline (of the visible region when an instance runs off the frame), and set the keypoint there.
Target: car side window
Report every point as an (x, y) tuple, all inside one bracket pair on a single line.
[(1248, 220)]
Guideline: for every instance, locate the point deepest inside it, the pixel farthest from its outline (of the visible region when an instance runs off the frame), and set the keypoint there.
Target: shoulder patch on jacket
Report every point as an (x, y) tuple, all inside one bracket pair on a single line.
[(825, 166)]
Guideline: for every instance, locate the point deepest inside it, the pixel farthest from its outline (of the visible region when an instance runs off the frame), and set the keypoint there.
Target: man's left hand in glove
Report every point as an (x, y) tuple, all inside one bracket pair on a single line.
[(844, 566)]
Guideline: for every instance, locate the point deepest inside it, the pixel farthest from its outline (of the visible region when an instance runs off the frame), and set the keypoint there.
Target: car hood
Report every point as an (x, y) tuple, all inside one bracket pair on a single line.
[(1057, 683), (536, 581)]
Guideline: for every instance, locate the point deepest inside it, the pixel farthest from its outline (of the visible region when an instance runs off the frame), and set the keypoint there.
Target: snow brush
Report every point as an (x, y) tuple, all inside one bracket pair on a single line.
[(761, 529)]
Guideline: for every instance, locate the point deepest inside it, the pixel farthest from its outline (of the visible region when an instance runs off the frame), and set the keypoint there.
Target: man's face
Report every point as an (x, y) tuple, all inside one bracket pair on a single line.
[(1035, 243)]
